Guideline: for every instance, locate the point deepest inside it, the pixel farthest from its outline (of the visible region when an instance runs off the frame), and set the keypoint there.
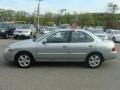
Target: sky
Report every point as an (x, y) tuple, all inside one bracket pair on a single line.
[(80, 6)]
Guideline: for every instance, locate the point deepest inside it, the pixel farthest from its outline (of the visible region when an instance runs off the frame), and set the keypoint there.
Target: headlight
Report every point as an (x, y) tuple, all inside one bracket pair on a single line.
[(3, 30), (8, 50)]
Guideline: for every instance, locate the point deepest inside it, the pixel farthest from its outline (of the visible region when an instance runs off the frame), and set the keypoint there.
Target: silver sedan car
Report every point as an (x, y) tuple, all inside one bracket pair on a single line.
[(62, 45)]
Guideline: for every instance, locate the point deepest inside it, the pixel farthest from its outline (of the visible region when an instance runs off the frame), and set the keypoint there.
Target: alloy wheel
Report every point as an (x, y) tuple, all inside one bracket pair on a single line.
[(24, 61)]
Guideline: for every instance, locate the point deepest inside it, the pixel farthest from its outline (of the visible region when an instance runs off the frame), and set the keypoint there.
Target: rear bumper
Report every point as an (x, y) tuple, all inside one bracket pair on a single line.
[(110, 56)]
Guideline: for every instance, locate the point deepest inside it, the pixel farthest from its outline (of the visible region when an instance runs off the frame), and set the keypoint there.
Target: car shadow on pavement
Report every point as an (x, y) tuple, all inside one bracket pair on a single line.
[(51, 65), (10, 64), (10, 37), (59, 64)]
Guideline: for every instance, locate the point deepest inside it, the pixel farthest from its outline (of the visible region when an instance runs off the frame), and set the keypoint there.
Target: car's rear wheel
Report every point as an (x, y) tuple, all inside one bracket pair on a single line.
[(6, 36), (94, 60), (23, 60)]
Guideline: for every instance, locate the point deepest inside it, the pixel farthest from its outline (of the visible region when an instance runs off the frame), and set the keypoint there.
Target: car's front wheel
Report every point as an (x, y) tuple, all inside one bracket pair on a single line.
[(23, 60), (15, 37), (94, 60)]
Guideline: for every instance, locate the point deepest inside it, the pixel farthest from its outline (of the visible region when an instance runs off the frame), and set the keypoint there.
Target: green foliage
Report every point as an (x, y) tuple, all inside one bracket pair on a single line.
[(109, 19), (112, 19)]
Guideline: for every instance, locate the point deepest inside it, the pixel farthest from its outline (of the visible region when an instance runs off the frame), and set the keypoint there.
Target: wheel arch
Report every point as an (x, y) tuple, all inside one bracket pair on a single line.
[(95, 52), (24, 52)]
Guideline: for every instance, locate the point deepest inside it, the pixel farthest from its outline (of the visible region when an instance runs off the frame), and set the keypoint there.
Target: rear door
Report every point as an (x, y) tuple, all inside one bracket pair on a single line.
[(81, 44)]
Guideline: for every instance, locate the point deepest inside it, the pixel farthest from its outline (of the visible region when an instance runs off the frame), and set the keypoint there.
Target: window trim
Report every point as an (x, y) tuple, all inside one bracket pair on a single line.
[(68, 39), (80, 42)]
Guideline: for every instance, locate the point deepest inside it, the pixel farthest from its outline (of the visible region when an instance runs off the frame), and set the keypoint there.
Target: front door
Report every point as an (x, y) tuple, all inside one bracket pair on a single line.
[(55, 48)]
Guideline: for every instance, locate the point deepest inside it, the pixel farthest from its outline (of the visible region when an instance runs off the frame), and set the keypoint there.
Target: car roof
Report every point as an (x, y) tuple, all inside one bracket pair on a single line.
[(69, 29)]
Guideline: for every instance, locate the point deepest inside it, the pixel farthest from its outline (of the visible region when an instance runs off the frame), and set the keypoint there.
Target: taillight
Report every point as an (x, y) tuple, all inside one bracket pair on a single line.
[(114, 49)]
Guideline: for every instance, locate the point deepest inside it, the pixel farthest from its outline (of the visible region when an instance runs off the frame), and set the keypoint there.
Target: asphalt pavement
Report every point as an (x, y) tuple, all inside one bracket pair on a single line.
[(58, 76)]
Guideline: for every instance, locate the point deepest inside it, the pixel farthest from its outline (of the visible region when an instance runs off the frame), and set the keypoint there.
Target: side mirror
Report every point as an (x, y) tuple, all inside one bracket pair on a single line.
[(44, 41)]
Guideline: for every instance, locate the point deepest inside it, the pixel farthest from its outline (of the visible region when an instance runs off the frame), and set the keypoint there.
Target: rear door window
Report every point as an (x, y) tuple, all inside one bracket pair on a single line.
[(79, 36)]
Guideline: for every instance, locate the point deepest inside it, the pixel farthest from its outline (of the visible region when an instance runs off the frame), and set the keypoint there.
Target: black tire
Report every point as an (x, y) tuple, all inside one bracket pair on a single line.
[(97, 59), (113, 39), (15, 37), (19, 62), (6, 36)]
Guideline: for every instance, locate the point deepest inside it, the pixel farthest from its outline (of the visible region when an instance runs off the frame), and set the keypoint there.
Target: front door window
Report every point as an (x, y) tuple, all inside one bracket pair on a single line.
[(59, 37)]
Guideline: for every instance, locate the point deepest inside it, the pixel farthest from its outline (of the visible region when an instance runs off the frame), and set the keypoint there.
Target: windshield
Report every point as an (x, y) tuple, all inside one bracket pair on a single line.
[(116, 32), (23, 26), (2, 25), (40, 37)]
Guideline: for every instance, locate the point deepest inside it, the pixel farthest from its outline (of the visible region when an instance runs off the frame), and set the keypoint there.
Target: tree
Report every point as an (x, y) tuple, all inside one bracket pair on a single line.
[(112, 8), (110, 15), (48, 18), (86, 19)]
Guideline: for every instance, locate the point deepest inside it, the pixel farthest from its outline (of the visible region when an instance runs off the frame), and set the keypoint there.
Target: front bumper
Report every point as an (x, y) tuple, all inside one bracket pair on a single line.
[(118, 39), (25, 35), (8, 56)]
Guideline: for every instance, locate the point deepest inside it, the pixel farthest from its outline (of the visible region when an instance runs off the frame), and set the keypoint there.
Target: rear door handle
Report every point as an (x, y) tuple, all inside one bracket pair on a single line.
[(64, 46), (90, 45)]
